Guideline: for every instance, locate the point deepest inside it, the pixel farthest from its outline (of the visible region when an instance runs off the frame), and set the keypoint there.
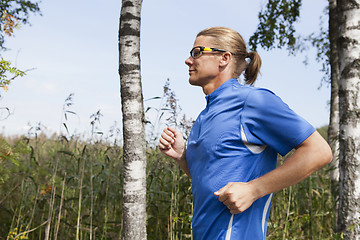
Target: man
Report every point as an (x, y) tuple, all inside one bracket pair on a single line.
[(233, 145)]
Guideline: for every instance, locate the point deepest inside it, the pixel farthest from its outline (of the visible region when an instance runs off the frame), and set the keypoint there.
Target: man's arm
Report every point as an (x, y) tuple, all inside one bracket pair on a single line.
[(172, 144), (308, 157)]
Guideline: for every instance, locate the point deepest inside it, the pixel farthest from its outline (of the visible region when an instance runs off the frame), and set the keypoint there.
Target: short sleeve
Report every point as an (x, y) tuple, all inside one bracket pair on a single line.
[(266, 119)]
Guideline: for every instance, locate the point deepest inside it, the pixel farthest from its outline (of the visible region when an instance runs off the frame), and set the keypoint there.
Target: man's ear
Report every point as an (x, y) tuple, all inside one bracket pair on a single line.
[(225, 59)]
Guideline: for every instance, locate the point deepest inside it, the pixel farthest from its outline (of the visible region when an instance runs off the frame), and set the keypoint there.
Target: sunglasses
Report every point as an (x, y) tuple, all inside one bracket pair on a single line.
[(197, 51)]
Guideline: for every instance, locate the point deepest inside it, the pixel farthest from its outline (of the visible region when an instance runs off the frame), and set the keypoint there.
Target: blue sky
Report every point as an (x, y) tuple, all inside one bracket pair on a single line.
[(73, 49)]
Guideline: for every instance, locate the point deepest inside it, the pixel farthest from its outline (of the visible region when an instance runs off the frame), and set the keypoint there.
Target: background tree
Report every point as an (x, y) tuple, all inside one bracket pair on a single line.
[(349, 99), (134, 173), (276, 25), (12, 11)]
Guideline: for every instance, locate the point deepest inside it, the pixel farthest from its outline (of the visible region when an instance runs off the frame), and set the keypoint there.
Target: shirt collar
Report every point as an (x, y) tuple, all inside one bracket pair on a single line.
[(212, 96)]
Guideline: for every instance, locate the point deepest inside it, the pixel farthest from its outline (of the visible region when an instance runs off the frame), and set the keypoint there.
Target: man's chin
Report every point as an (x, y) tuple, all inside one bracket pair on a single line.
[(193, 82)]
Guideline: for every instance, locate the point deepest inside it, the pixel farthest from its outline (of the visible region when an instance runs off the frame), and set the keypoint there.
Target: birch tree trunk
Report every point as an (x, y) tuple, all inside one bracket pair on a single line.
[(333, 130), (349, 99), (134, 173)]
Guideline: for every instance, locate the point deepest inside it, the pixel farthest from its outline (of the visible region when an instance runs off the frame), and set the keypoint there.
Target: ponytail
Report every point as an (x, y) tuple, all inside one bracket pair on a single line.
[(253, 68)]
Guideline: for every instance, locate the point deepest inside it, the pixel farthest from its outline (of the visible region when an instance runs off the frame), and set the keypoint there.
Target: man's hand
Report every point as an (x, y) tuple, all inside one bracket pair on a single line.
[(172, 144), (237, 196)]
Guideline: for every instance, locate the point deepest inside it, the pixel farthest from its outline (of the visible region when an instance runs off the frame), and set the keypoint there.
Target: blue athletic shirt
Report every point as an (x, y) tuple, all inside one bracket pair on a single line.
[(236, 138)]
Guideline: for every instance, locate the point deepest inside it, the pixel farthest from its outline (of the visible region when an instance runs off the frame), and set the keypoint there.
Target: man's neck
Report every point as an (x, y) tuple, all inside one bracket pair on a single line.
[(213, 85)]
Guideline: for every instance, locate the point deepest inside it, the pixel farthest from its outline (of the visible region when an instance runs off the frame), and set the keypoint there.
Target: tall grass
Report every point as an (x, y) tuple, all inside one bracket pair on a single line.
[(63, 187), (305, 210)]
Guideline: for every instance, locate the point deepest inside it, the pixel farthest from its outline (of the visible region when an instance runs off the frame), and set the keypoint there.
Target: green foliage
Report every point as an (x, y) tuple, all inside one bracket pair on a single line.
[(276, 25), (44, 185), (8, 73), (13, 11), (276, 29), (169, 200)]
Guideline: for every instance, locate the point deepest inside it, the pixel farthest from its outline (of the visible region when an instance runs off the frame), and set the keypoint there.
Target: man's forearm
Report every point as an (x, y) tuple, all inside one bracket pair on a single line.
[(183, 163), (310, 156)]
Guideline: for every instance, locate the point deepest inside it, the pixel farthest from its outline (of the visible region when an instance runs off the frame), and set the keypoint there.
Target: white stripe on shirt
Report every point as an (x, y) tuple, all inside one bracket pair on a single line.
[(228, 232), (266, 209)]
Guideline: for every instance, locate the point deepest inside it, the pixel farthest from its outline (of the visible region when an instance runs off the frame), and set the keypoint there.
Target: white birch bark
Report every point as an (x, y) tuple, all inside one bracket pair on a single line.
[(349, 103), (134, 170)]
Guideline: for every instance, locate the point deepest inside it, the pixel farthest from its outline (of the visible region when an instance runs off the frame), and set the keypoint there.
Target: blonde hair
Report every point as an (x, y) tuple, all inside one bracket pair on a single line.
[(230, 40)]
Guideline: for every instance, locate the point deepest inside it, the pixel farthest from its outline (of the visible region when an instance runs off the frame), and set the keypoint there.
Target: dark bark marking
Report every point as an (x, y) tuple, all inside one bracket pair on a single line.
[(352, 4), (128, 4), (128, 16), (126, 30), (351, 70), (128, 43), (345, 41), (348, 5), (356, 27), (126, 68)]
